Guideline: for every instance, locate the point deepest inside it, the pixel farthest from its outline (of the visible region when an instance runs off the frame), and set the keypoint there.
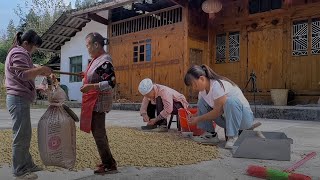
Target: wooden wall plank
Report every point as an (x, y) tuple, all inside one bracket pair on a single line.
[(197, 24), (286, 51), (243, 70), (170, 75), (185, 55), (271, 35), (166, 64), (265, 47), (265, 58)]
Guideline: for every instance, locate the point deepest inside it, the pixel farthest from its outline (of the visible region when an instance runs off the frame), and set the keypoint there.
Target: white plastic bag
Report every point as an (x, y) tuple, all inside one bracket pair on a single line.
[(57, 132)]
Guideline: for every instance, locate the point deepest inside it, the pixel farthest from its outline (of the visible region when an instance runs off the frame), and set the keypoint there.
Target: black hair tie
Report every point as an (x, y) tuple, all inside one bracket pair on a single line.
[(106, 41), (203, 67)]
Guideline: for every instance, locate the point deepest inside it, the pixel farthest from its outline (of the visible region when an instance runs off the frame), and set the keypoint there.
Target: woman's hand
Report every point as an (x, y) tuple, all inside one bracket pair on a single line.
[(81, 74), (152, 122), (86, 88), (45, 71), (193, 120), (146, 118)]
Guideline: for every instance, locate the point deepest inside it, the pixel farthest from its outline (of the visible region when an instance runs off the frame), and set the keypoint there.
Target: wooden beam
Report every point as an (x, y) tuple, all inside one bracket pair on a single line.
[(250, 19), (143, 7), (302, 11), (55, 64), (49, 50), (149, 14), (180, 2), (53, 42), (67, 27), (108, 5), (97, 18), (82, 19), (53, 46), (58, 35)]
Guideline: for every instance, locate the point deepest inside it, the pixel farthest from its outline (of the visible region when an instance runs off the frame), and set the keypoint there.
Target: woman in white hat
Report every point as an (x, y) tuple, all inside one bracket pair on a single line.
[(160, 98)]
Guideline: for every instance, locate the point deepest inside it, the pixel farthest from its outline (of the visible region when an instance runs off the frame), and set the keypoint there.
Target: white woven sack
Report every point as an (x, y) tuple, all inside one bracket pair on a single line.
[(57, 133)]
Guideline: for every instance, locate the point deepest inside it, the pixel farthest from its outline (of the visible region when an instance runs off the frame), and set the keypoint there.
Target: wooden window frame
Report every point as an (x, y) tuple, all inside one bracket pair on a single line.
[(219, 47), (311, 51), (146, 52), (227, 58), (78, 68), (315, 37), (233, 59), (266, 10)]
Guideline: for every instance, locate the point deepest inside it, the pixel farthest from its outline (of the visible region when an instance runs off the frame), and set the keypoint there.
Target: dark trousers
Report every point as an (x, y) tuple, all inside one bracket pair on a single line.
[(100, 136), (151, 110)]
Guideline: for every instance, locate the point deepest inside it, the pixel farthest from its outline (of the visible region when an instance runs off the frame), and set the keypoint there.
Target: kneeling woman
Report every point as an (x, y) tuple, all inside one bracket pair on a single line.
[(218, 96), (160, 98)]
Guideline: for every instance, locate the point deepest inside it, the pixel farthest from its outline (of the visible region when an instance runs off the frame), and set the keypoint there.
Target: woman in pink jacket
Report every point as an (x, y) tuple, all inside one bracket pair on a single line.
[(160, 98), (21, 92)]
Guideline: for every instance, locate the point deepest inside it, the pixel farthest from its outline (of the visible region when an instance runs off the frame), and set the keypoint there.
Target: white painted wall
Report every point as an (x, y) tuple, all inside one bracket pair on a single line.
[(77, 47)]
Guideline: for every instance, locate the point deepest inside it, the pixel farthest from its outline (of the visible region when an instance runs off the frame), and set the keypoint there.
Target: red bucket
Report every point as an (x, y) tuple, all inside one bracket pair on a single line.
[(185, 126)]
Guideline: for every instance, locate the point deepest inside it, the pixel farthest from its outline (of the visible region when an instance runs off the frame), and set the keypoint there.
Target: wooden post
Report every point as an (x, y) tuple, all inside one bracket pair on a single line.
[(286, 38), (243, 55), (185, 55)]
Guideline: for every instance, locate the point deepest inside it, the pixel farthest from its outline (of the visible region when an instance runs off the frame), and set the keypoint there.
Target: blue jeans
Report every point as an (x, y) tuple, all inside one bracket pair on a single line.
[(237, 117), (19, 109)]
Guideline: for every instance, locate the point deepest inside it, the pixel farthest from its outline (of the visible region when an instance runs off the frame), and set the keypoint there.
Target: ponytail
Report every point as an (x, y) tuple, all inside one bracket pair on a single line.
[(17, 40), (196, 71), (106, 41), (96, 37), (30, 36)]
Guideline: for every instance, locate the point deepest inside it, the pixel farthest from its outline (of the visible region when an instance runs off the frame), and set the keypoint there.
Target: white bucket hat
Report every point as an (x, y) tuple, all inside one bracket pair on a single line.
[(145, 86)]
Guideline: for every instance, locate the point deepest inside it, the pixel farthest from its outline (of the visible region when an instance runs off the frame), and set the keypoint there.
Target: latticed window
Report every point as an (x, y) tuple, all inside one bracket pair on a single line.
[(234, 46), (232, 50), (300, 38), (221, 48), (315, 30)]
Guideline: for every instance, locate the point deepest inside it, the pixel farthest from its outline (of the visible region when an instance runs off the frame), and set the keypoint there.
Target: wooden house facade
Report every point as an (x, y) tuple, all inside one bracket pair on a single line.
[(160, 45), (278, 41)]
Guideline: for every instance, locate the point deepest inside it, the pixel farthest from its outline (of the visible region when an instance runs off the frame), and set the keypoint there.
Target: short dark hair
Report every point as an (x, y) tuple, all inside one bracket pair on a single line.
[(96, 37)]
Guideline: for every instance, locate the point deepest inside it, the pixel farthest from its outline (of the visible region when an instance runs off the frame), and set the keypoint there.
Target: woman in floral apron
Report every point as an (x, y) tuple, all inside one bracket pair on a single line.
[(98, 83)]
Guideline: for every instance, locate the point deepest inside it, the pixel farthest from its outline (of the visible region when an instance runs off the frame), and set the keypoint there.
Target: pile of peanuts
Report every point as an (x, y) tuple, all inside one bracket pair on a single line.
[(129, 146)]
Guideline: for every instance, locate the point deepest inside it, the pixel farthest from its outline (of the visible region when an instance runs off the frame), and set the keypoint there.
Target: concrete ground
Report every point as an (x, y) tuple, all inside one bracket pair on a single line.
[(305, 135)]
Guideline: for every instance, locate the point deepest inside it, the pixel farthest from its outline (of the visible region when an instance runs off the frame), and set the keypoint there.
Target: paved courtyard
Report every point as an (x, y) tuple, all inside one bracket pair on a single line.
[(305, 135)]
